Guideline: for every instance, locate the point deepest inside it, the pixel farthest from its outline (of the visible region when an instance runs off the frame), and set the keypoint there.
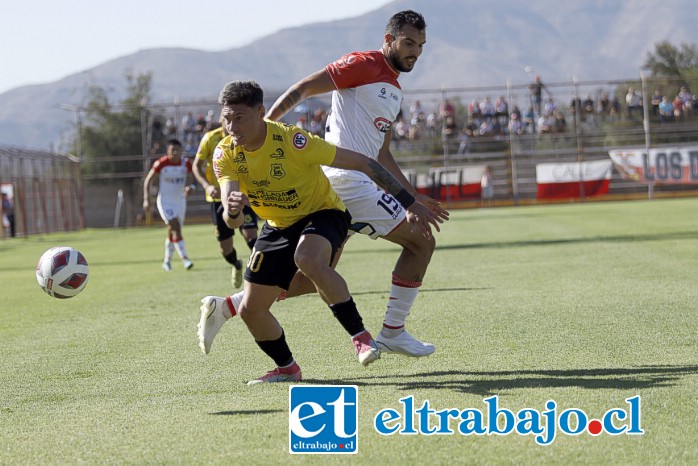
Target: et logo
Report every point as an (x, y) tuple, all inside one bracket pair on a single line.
[(323, 419)]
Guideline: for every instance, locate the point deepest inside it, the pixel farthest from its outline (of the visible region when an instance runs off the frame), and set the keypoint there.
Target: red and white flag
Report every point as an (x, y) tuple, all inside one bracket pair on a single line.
[(570, 180), (451, 183)]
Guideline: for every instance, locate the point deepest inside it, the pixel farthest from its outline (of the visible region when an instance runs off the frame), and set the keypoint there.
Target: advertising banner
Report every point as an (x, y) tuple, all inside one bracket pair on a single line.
[(662, 165)]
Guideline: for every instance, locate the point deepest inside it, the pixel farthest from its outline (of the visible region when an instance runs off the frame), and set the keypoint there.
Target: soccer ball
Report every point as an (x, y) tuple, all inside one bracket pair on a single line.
[(62, 272)]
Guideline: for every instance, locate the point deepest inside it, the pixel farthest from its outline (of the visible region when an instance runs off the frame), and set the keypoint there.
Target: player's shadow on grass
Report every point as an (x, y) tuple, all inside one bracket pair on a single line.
[(492, 382), (688, 235), (422, 290), (386, 291), (591, 239)]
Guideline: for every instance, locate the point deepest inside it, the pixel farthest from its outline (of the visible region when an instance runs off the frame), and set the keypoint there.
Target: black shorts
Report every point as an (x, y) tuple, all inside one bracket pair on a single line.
[(222, 230), (272, 260)]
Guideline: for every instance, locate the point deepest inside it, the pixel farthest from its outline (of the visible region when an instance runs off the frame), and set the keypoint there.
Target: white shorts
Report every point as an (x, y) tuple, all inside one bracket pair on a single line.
[(374, 212), (172, 208)]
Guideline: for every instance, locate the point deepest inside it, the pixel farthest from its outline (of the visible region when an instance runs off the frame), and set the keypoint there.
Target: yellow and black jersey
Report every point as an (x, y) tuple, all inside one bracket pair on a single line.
[(283, 178), (206, 147)]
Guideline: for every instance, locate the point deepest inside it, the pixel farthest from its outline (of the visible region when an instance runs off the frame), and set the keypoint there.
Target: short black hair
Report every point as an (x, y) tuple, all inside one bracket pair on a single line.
[(174, 142), (247, 93), (399, 20)]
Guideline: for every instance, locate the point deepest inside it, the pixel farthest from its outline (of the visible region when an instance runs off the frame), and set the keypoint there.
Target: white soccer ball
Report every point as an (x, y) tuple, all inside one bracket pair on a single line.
[(62, 272)]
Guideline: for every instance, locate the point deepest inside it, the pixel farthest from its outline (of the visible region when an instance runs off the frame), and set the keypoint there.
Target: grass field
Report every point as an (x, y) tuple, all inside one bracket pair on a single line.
[(585, 304)]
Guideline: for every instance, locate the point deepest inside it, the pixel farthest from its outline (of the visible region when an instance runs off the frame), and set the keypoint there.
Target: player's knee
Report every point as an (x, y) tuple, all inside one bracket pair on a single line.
[(430, 244), (420, 245), (310, 264), (244, 313)]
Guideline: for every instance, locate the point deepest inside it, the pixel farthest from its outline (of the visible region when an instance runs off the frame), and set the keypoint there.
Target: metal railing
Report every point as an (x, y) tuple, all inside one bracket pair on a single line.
[(585, 121)]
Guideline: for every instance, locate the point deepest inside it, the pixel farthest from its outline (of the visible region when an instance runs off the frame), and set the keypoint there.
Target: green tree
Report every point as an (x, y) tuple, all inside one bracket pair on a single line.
[(110, 132), (669, 61), (673, 66)]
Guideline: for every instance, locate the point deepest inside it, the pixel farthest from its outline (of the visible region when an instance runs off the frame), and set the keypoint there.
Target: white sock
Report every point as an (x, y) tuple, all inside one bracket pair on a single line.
[(181, 249), (236, 299), (169, 248), (232, 306), (399, 306)]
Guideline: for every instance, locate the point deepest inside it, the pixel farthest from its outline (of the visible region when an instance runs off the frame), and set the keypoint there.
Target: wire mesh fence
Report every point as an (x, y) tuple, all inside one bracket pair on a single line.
[(497, 145)]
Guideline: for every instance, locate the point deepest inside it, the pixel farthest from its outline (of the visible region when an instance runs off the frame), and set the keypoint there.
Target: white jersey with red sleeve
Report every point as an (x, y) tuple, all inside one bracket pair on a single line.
[(172, 176), (365, 104)]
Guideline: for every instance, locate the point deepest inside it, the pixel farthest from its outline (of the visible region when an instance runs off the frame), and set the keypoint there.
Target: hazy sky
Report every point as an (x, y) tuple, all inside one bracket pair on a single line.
[(45, 40)]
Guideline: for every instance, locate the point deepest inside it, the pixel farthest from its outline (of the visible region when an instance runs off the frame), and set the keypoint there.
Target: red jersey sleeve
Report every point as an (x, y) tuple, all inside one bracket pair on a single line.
[(359, 68), (159, 163)]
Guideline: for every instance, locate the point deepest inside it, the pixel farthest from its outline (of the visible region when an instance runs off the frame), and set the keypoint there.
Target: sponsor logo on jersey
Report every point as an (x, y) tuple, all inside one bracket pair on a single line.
[(278, 155), (279, 199), (277, 171), (261, 183), (382, 124), (240, 158), (299, 141), (277, 137), (346, 61), (218, 153), (382, 93)]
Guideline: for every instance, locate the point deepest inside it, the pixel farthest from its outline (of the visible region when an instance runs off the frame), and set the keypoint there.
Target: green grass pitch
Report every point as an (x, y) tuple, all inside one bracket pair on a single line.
[(586, 304)]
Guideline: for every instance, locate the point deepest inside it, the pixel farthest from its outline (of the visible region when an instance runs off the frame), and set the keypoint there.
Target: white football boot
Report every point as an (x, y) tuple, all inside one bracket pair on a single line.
[(405, 344), (213, 316)]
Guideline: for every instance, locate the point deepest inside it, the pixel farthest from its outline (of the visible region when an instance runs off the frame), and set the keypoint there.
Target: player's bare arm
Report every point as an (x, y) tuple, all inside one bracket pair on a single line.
[(421, 215), (152, 174), (199, 171), (313, 84), (385, 157), (233, 202), (191, 183)]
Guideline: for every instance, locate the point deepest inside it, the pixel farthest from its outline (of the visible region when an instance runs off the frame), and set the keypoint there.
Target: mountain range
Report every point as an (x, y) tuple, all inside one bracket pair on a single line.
[(469, 43)]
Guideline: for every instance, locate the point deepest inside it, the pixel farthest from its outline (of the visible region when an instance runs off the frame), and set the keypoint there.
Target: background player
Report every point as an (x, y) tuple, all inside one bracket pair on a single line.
[(203, 171), (174, 173)]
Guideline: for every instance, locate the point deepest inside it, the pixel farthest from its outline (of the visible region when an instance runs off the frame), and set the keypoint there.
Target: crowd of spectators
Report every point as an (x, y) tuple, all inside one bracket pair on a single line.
[(189, 130), (459, 125), (665, 109)]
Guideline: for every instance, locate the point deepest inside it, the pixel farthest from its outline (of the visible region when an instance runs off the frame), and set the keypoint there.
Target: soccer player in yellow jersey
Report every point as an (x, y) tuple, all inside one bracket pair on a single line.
[(203, 171), (275, 169)]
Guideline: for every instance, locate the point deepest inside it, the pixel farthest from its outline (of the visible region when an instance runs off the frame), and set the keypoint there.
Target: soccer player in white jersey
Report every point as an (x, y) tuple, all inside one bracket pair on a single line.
[(174, 174), (366, 99)]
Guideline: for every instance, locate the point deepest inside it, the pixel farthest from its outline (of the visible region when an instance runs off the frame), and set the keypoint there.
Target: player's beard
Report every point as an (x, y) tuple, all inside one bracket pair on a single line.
[(400, 64)]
